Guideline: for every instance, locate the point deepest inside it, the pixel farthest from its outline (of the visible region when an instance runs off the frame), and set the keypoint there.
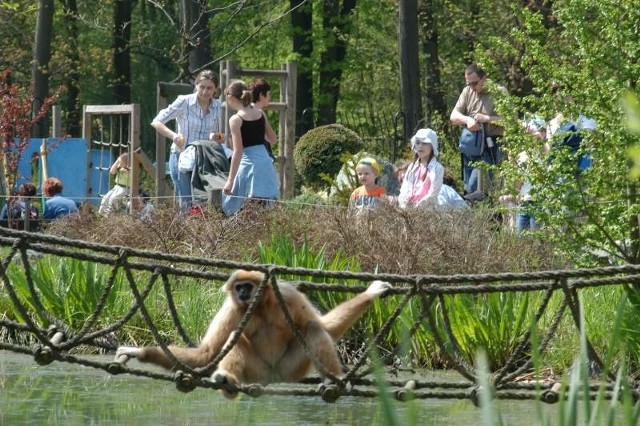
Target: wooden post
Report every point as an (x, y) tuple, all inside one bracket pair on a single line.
[(57, 123), (161, 150), (134, 146), (282, 133), (290, 132), (231, 74), (86, 135)]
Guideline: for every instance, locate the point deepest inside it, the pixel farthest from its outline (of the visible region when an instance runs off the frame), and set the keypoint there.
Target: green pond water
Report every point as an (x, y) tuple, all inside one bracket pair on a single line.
[(69, 394)]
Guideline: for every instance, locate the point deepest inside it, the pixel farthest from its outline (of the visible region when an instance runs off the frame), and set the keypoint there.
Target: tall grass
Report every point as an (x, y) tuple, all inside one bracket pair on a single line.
[(283, 251), (617, 406), (575, 405), (69, 290), (494, 322)]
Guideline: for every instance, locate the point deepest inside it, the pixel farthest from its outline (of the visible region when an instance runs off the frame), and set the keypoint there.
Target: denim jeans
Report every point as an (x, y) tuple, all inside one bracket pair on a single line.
[(173, 172), (184, 183), (525, 220), (181, 182), (470, 174)]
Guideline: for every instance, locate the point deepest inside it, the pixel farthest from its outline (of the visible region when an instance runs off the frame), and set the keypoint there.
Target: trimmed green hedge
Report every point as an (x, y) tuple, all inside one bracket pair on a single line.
[(319, 152)]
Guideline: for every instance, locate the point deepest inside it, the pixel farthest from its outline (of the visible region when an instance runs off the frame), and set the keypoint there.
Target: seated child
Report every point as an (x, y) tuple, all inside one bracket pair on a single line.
[(120, 190), (449, 196), (369, 194), (14, 213)]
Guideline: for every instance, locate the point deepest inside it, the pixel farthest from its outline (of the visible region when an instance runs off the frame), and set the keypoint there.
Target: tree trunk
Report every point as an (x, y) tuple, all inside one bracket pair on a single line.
[(301, 22), (42, 55), (200, 37), (409, 65), (336, 22), (195, 31), (435, 103), (74, 115), (121, 52)]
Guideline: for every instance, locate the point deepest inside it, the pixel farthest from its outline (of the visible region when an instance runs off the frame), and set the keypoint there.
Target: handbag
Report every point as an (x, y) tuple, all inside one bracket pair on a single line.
[(187, 159), (471, 143)]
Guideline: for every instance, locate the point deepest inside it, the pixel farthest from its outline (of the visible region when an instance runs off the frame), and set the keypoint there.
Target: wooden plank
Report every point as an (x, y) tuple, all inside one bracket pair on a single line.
[(172, 90), (109, 109), (145, 162), (261, 73)]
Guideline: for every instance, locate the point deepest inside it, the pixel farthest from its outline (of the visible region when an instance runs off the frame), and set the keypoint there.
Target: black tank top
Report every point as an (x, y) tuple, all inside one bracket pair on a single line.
[(252, 132)]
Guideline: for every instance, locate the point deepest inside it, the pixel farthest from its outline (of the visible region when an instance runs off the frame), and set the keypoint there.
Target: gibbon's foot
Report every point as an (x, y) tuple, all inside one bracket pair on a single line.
[(228, 387), (377, 288), (130, 351)]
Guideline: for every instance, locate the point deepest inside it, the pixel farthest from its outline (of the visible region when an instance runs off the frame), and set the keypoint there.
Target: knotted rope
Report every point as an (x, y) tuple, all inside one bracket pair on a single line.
[(54, 341)]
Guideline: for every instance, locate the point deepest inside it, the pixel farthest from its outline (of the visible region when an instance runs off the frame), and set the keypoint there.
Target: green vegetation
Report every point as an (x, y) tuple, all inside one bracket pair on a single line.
[(319, 152), (326, 240)]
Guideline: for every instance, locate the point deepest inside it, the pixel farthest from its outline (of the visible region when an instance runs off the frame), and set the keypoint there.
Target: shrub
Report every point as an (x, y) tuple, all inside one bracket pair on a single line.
[(317, 153), (305, 199)]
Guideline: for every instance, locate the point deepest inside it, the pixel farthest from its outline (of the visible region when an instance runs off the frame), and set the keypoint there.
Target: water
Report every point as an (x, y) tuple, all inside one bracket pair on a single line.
[(70, 394)]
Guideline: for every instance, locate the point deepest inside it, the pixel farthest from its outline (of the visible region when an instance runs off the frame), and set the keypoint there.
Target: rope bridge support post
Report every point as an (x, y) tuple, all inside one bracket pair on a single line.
[(43, 355), (552, 395), (407, 393), (118, 364)]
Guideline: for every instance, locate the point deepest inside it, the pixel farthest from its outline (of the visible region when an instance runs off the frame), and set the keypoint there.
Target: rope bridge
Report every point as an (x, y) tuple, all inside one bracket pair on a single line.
[(146, 270)]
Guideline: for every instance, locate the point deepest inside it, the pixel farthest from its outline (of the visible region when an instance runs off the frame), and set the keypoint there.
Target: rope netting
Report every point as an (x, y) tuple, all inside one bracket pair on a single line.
[(423, 302)]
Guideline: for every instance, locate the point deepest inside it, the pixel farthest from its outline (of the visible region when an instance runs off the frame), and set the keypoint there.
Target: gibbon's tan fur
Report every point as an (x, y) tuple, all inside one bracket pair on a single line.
[(267, 351)]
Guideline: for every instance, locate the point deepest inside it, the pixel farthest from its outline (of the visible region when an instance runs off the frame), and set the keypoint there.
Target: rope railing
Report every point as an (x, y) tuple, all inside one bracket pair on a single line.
[(49, 338)]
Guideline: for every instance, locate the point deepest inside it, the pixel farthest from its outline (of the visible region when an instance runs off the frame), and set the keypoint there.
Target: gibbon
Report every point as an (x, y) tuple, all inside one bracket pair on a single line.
[(267, 350)]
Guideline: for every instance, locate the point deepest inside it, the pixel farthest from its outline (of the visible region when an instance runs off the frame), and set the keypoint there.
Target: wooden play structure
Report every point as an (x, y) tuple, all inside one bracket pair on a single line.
[(111, 130)]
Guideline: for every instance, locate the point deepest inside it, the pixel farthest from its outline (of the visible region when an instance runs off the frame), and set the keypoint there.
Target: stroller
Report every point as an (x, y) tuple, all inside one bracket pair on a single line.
[(210, 173)]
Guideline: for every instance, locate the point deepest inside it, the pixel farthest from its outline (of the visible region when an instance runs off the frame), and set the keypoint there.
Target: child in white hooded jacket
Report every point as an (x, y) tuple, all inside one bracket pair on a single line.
[(423, 180)]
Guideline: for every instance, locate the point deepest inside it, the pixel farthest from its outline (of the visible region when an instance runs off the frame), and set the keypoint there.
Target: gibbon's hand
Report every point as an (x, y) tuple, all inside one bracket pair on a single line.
[(377, 288)]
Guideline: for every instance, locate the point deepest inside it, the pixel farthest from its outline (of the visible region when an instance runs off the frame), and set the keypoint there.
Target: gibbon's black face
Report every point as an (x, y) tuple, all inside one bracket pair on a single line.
[(244, 291)]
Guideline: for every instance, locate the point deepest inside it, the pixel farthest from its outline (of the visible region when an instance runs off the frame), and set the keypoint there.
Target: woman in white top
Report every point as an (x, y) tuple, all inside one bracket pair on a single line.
[(197, 118)]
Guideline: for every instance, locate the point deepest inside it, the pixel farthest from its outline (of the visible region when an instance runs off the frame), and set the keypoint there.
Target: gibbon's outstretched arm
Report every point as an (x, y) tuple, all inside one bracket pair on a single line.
[(219, 331), (343, 316), (240, 288)]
